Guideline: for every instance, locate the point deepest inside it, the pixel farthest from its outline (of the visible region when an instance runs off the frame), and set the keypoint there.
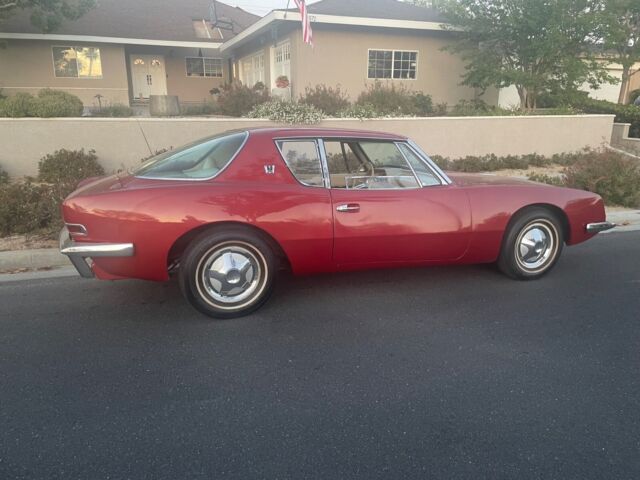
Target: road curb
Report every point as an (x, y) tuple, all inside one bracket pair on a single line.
[(32, 259)]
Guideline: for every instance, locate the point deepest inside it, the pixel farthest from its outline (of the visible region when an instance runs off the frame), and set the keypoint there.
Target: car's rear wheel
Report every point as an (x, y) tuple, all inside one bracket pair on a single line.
[(532, 244), (227, 274)]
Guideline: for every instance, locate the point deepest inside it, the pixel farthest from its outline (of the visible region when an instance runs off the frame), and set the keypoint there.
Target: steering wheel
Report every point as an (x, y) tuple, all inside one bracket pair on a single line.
[(370, 166)]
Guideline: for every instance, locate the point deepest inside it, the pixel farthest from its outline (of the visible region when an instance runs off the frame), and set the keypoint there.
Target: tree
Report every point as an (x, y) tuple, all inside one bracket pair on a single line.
[(46, 15), (535, 45), (620, 34)]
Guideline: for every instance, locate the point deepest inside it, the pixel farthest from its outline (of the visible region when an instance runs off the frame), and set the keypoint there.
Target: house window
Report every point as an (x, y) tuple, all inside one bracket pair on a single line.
[(204, 67), (392, 64), (77, 62), (253, 69)]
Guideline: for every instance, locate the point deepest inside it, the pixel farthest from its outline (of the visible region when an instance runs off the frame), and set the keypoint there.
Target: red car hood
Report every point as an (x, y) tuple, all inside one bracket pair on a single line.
[(486, 179)]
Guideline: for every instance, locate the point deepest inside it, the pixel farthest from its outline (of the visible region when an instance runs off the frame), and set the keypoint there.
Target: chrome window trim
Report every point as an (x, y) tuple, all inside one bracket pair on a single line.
[(244, 142), (422, 185), (315, 140), (430, 163), (324, 163)]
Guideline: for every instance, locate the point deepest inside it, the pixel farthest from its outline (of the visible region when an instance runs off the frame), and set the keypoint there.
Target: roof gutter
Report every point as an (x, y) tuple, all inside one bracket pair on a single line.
[(97, 39)]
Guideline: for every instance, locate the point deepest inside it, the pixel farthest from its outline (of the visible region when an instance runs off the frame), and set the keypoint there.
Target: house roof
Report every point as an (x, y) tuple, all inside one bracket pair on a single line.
[(165, 20), (388, 9), (356, 13)]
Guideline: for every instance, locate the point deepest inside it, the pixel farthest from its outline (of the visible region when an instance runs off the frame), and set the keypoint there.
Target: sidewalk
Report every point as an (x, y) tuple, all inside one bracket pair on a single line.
[(19, 261)]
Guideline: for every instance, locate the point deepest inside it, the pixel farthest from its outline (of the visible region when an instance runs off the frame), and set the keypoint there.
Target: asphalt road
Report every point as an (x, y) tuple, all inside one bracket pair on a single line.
[(421, 373)]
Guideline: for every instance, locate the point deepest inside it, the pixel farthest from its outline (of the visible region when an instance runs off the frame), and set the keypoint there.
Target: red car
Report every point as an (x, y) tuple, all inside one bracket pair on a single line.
[(227, 212)]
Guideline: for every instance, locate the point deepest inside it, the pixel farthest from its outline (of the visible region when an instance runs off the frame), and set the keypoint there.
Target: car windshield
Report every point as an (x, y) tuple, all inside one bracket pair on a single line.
[(201, 159)]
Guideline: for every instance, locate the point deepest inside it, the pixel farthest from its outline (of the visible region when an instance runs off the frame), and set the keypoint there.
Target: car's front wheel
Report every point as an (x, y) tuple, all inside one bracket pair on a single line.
[(227, 274), (532, 244)]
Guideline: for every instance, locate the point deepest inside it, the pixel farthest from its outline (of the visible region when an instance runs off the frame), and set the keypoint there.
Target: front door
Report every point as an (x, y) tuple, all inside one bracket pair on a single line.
[(148, 76), (281, 57), (390, 207)]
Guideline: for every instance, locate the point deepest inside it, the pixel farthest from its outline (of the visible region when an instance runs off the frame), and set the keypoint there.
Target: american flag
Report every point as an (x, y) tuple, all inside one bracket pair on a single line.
[(307, 34)]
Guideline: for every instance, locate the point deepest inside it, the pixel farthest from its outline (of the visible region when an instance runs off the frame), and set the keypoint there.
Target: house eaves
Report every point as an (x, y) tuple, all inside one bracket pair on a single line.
[(99, 39), (279, 15)]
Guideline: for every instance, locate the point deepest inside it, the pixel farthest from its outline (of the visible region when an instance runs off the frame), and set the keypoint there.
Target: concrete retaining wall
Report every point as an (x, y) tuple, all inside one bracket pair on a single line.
[(123, 142), (620, 139)]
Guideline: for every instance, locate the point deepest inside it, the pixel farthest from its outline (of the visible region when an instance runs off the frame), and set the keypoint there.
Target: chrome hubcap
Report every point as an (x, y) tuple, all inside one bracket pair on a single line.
[(536, 246), (231, 274)]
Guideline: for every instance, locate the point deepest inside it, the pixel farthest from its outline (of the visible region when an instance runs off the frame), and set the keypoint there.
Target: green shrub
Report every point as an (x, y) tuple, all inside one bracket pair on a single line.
[(613, 176), (30, 207), (360, 112), (208, 108), (48, 103), (633, 94), (56, 103), (328, 99), (115, 110), (4, 177), (238, 100), (440, 109), (423, 104), (27, 207), (490, 163), (624, 113), (477, 107), (287, 112), (389, 99), (19, 105), (67, 167)]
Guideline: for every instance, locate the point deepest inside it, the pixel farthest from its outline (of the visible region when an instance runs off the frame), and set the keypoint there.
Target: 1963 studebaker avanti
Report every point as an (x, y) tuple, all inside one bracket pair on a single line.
[(227, 212)]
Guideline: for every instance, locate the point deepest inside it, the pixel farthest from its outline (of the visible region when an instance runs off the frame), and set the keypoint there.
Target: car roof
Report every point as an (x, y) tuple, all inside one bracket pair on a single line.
[(305, 132)]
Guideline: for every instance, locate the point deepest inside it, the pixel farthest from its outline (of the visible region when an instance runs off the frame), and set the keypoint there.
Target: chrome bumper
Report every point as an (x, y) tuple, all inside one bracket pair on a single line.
[(599, 227), (79, 252)]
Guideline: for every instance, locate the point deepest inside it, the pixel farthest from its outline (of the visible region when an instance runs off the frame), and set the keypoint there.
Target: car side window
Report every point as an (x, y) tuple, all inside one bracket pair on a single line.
[(303, 159), (342, 162), (380, 165), (424, 173)]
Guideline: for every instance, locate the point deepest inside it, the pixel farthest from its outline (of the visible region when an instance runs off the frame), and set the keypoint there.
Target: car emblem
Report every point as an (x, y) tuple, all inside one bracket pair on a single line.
[(269, 169)]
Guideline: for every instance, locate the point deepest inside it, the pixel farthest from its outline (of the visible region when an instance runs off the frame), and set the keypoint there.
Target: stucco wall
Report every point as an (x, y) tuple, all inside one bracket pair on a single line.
[(27, 66), (620, 139), (123, 142), (340, 56)]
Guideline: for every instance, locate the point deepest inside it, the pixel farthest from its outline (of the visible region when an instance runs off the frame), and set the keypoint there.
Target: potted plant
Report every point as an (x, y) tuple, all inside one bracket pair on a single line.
[(282, 81)]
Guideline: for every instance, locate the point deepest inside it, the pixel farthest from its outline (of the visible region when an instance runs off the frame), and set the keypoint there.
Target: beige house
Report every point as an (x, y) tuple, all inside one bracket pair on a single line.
[(356, 43), (125, 51)]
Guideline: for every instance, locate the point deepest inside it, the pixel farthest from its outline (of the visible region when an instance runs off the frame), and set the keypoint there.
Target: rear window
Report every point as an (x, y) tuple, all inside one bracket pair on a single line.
[(202, 159)]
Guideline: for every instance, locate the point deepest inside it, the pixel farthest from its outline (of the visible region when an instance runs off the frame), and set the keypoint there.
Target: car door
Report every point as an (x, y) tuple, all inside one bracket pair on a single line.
[(390, 206)]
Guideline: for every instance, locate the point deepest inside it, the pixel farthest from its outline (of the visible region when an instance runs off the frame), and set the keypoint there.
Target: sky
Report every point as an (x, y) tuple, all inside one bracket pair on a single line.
[(262, 7)]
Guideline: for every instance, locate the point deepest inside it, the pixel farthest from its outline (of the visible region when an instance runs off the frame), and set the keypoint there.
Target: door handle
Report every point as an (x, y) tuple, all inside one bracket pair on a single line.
[(348, 207)]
